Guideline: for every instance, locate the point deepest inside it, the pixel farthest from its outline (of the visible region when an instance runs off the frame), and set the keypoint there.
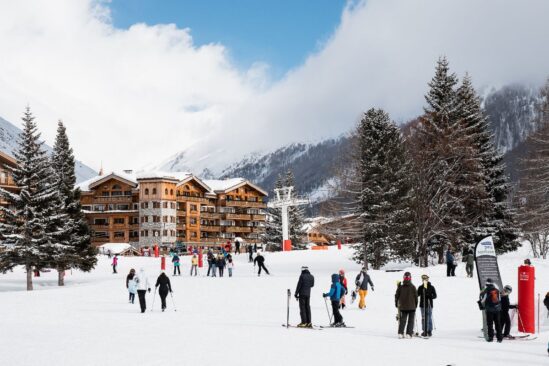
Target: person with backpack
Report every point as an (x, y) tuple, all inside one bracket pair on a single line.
[(450, 264), (361, 282), (260, 260), (490, 300), (470, 263), (303, 295), (131, 285), (505, 307), (230, 266), (427, 293), (194, 264), (142, 287), (164, 286), (336, 290), (175, 261), (343, 282), (221, 263)]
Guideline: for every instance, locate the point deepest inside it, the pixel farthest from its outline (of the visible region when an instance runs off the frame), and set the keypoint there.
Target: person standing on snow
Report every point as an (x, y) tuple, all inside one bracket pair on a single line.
[(470, 263), (450, 263), (230, 266), (164, 286), (250, 254), (361, 282), (260, 260), (490, 298), (406, 302), (343, 282), (211, 267), (303, 295), (142, 287), (505, 306), (427, 294), (237, 247), (336, 290), (194, 264), (131, 285), (221, 263), (114, 263), (176, 263)]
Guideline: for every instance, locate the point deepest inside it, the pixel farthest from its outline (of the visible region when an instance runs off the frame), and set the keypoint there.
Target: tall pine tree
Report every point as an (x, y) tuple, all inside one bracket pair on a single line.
[(296, 216)]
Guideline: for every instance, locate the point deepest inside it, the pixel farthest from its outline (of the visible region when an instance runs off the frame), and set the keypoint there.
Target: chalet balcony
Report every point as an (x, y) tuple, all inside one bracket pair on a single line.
[(7, 181), (246, 204), (259, 217), (232, 216), (238, 229), (210, 228), (192, 199), (107, 199), (209, 215)]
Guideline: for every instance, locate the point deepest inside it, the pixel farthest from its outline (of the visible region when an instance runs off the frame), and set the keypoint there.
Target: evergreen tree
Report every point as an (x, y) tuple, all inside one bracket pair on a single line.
[(76, 250), (296, 216), (29, 226), (383, 198)]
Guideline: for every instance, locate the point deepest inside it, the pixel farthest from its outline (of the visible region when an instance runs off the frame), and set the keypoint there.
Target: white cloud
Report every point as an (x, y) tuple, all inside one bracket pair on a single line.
[(133, 97)]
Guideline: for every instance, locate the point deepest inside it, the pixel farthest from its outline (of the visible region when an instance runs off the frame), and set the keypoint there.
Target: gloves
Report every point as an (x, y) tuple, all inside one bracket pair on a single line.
[(373, 288), (324, 295)]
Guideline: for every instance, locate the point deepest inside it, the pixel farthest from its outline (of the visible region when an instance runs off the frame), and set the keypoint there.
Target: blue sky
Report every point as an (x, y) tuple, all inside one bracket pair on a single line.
[(279, 32)]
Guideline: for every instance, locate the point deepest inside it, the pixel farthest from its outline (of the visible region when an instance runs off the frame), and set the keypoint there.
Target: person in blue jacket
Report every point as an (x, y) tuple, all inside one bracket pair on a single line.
[(336, 291), (450, 263)]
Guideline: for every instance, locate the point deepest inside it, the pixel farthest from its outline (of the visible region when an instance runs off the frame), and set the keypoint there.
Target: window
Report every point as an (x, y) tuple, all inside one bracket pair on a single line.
[(180, 233), (101, 222), (181, 206), (105, 194), (193, 234), (135, 220), (156, 204), (116, 193), (172, 219), (171, 192), (192, 221), (146, 191), (144, 233), (164, 218), (127, 193), (119, 221), (165, 233), (166, 191), (252, 199), (135, 206), (101, 234), (118, 234), (116, 186), (172, 205), (156, 233), (134, 234), (123, 207), (193, 208), (172, 232), (165, 204), (144, 204), (86, 208), (154, 190), (143, 219), (99, 208)]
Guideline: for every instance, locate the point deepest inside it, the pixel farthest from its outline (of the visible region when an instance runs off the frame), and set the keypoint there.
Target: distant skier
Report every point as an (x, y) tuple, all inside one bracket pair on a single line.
[(164, 286), (237, 247), (336, 290), (131, 285), (211, 266), (255, 247), (406, 303), (343, 282), (230, 266), (450, 263), (109, 254), (142, 287), (427, 293), (176, 263), (260, 260), (361, 282), (469, 263), (221, 263), (303, 295), (114, 263), (505, 307), (194, 264), (490, 299), (250, 254)]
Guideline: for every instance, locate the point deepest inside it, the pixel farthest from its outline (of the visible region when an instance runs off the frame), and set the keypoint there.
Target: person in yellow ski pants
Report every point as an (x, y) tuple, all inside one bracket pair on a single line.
[(362, 281)]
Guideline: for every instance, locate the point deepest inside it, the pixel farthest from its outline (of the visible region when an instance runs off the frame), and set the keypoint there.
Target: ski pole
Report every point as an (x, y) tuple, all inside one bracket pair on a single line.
[(328, 311), (173, 302), (288, 310), (415, 318), (154, 298)]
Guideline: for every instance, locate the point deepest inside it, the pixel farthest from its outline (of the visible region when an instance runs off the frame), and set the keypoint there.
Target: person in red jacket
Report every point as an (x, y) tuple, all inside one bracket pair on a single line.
[(343, 282)]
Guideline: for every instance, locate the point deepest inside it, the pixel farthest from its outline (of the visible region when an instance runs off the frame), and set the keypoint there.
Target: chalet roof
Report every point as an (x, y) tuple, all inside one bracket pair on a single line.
[(158, 174), (197, 180), (99, 179), (8, 157), (227, 185)]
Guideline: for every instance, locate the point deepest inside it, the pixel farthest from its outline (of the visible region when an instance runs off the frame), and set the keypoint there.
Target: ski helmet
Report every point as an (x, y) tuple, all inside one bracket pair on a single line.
[(489, 281), (508, 289)]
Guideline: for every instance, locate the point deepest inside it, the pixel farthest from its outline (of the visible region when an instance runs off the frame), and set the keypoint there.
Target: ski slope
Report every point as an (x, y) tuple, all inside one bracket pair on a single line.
[(237, 321)]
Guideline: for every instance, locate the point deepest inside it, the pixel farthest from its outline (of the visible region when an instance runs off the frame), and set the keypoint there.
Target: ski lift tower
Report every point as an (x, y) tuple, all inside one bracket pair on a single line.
[(284, 200)]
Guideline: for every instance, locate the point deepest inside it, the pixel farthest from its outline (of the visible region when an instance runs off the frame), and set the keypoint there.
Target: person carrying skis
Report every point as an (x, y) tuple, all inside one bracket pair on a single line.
[(221, 264), (131, 285), (175, 261), (361, 282), (260, 260), (450, 263), (164, 286), (336, 290), (406, 303), (343, 281), (142, 287), (303, 295), (194, 264), (427, 293), (490, 299), (114, 263), (230, 266), (470, 263), (505, 306)]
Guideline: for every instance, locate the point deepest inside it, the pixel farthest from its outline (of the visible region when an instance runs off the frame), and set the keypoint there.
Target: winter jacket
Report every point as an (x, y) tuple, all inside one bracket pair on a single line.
[(221, 262), (164, 282), (336, 290), (142, 281), (546, 301), (363, 284), (259, 259), (115, 261), (175, 260), (506, 304), (304, 284), (194, 261), (428, 294), (343, 282), (449, 257), (406, 296), (491, 299), (470, 259), (210, 257), (129, 277), (230, 264), (132, 285)]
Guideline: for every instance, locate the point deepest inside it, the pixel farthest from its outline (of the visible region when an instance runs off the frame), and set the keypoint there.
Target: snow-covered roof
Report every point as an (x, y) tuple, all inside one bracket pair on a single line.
[(198, 180), (90, 183), (158, 174), (115, 248), (226, 185)]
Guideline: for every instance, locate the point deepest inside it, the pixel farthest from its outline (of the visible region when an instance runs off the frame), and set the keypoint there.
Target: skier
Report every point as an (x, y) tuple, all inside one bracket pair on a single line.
[(114, 263), (221, 264), (250, 254), (427, 293), (470, 263), (237, 247), (450, 263), (406, 303), (194, 264), (131, 285), (109, 254), (255, 247), (142, 287), (211, 267), (491, 301), (336, 290), (505, 306), (343, 281), (175, 261), (260, 260), (230, 266), (303, 295), (164, 286), (362, 286)]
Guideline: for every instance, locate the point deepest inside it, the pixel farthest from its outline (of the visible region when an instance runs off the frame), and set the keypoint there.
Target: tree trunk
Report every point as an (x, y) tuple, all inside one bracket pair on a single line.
[(440, 252), (61, 277), (29, 278), (365, 257)]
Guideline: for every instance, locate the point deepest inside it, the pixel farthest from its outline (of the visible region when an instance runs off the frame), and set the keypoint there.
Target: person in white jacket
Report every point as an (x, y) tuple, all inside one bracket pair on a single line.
[(142, 287)]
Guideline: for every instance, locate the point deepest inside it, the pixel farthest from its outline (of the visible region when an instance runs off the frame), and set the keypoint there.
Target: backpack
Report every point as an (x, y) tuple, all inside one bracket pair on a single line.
[(493, 300)]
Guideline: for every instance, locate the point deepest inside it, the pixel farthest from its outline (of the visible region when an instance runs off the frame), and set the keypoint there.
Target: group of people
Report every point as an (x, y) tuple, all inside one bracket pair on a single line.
[(217, 263), (407, 299), (139, 283), (468, 257), (496, 305)]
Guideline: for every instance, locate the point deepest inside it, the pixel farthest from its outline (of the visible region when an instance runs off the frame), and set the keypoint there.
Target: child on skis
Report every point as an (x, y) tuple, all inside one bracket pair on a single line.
[(335, 293)]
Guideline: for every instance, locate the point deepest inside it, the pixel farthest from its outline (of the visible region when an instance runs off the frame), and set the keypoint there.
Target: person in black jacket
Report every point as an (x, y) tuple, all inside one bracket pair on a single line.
[(490, 300), (250, 254), (426, 293), (164, 286), (303, 295), (505, 306), (260, 260), (221, 264)]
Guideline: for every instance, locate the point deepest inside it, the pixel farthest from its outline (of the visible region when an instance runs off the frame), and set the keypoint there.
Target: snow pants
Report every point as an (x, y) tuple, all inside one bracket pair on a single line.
[(114, 268), (193, 268), (305, 309), (221, 269), (450, 269), (469, 268), (142, 301), (335, 310), (407, 318), (427, 319), (177, 270), (261, 265), (132, 297), (506, 323), (163, 294), (230, 272), (493, 319), (362, 301)]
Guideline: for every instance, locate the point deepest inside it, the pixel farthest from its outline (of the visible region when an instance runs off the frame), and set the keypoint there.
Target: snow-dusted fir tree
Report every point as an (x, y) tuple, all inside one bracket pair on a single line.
[(273, 224), (382, 201), (76, 250), (296, 216), (29, 222)]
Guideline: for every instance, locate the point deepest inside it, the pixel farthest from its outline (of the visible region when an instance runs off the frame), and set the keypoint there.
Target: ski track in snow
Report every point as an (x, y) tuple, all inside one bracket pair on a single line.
[(236, 321)]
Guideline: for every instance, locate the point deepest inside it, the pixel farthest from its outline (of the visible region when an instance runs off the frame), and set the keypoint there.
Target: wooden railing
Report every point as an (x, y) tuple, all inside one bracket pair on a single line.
[(238, 229), (238, 216), (192, 199), (212, 228), (246, 204)]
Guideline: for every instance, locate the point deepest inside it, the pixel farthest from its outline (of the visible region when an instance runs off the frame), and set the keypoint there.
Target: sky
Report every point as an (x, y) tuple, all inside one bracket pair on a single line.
[(138, 81)]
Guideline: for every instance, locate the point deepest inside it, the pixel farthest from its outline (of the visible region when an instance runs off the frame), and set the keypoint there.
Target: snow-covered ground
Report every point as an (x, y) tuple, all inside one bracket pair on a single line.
[(237, 321)]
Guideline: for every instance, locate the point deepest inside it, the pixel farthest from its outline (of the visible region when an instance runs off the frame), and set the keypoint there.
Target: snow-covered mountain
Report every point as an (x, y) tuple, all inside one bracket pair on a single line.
[(8, 144)]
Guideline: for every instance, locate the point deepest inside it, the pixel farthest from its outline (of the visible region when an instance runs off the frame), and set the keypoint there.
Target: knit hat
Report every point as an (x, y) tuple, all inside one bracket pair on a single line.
[(364, 269), (341, 271), (303, 268), (489, 281), (407, 276), (424, 277)]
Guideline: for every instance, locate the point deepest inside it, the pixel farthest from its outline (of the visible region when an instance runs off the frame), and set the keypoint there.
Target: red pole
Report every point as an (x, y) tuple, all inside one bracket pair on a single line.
[(156, 251), (287, 245), (526, 296), (200, 260), (163, 263), (339, 244)]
